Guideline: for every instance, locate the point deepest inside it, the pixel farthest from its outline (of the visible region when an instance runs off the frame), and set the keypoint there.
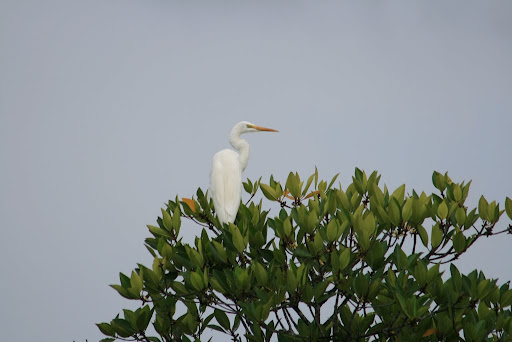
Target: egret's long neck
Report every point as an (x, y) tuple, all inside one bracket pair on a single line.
[(242, 146)]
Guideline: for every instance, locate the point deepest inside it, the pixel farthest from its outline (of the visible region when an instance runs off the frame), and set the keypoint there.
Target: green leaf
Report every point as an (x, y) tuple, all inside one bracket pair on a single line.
[(508, 207), (423, 235), (344, 259), (460, 216), (361, 285), (399, 194), (222, 318), (394, 212), (483, 287), (219, 251), (122, 327), (311, 221), (332, 230), (256, 240), (442, 210), (124, 292), (363, 239), (268, 192), (247, 186), (492, 211), (333, 180), (378, 194), (308, 184), (343, 200), (302, 253), (318, 242), (291, 281), (180, 288), (216, 327), (400, 257), (420, 273), (403, 303), (471, 218), (131, 317), (195, 257), (319, 289), (144, 318), (176, 220), (217, 286), (238, 240), (482, 208), (383, 215), (407, 209), (279, 255), (293, 184), (457, 192), (188, 323), (358, 173), (456, 278), (197, 281), (506, 299), (459, 242), (330, 207), (106, 329), (157, 231), (167, 251), (260, 273), (369, 224), (391, 277), (136, 282), (287, 226), (242, 279), (437, 236), (166, 220), (433, 273), (438, 181), (355, 200), (376, 255), (150, 250), (358, 185)]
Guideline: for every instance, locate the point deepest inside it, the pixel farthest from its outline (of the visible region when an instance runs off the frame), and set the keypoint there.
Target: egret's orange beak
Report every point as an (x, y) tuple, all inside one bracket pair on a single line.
[(259, 128)]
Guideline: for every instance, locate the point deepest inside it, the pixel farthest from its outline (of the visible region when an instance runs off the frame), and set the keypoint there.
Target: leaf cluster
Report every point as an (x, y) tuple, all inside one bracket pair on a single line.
[(356, 264)]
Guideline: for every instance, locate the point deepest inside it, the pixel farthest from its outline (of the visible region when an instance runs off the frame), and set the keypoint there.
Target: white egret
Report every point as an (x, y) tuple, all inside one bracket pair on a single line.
[(227, 168)]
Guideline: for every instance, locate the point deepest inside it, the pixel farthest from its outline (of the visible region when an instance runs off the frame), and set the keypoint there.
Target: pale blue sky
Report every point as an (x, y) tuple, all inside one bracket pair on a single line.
[(109, 108)]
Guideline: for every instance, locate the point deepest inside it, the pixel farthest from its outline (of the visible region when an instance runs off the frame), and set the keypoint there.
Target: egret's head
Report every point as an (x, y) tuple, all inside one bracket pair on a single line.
[(247, 127)]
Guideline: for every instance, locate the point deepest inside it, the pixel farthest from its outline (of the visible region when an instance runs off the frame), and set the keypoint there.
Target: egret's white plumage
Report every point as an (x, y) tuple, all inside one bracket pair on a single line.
[(226, 175), (226, 184)]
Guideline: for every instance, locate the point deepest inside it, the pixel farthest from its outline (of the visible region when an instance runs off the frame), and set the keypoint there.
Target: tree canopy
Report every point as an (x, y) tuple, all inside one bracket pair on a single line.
[(333, 263)]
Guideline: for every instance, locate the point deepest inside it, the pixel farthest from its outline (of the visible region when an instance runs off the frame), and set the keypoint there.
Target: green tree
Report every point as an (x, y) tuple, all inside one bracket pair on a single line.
[(360, 264)]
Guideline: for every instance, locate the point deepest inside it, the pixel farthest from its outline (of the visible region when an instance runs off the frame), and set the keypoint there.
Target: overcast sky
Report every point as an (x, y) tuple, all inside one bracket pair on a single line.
[(110, 108)]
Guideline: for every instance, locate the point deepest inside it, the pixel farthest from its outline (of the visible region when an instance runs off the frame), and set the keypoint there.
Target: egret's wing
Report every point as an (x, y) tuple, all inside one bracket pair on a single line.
[(226, 184)]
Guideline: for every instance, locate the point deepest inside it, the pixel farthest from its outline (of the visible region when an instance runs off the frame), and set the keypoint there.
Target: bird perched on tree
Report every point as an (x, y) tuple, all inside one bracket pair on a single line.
[(226, 174)]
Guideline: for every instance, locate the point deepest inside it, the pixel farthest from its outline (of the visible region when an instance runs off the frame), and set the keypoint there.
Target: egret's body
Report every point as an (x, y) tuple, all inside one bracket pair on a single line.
[(226, 184), (227, 169)]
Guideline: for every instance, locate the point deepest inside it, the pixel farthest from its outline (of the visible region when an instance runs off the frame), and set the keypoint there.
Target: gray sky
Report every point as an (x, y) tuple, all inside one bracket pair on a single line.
[(110, 108)]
